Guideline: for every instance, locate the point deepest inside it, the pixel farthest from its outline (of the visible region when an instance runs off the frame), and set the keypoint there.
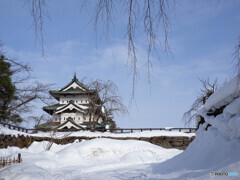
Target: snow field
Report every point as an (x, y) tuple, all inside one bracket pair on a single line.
[(72, 160)]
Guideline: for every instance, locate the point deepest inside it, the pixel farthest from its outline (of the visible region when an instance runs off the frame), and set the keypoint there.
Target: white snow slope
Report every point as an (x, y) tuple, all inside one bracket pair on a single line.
[(214, 150), (78, 160)]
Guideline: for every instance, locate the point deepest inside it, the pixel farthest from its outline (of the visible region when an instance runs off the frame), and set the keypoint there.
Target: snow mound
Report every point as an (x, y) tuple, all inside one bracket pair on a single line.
[(210, 151), (224, 95), (25, 171), (74, 160)]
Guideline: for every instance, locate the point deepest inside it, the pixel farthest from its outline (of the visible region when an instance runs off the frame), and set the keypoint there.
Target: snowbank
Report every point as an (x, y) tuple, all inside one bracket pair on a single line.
[(74, 160), (210, 151), (228, 122), (223, 95)]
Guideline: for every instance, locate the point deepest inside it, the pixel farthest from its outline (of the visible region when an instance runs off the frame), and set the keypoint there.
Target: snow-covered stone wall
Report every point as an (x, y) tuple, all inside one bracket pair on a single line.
[(21, 141)]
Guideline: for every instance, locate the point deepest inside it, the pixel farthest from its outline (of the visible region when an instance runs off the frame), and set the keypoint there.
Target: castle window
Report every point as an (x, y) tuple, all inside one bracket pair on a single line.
[(62, 101), (78, 118), (74, 118), (64, 118)]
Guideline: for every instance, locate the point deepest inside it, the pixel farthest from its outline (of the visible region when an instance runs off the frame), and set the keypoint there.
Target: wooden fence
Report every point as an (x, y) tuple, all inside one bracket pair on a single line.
[(10, 161), (131, 130), (116, 130), (10, 126)]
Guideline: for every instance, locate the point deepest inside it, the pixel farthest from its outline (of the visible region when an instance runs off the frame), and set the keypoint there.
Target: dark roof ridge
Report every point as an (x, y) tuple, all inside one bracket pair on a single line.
[(71, 102), (75, 79), (69, 119)]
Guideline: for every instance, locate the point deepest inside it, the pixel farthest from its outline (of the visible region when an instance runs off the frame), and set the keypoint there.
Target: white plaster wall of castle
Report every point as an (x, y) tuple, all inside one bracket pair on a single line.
[(78, 99), (56, 117), (77, 117)]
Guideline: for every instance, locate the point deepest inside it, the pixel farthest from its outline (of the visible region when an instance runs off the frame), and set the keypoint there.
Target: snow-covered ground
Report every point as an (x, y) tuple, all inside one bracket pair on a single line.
[(78, 160), (5, 130), (215, 150)]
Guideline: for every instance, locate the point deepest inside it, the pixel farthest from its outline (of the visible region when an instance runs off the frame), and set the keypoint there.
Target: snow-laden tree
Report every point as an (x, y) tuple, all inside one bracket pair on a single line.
[(205, 92)]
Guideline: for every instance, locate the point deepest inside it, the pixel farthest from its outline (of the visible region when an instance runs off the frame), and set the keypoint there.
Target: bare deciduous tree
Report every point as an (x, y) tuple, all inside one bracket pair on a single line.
[(27, 91), (105, 101), (205, 92), (39, 119)]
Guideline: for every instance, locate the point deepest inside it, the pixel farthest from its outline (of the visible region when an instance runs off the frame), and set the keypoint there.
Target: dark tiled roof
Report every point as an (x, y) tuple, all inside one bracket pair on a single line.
[(47, 125), (70, 120), (52, 107), (65, 105), (97, 125), (86, 90), (71, 92)]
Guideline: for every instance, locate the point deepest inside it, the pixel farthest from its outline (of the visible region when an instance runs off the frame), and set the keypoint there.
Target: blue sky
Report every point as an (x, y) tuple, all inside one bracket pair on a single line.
[(203, 37)]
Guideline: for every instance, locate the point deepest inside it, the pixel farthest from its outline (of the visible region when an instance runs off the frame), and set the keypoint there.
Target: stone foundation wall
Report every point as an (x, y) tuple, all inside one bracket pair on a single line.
[(178, 142)]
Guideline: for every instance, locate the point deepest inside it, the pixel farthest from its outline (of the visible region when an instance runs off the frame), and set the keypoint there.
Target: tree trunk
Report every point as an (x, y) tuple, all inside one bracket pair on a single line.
[(94, 123), (90, 123)]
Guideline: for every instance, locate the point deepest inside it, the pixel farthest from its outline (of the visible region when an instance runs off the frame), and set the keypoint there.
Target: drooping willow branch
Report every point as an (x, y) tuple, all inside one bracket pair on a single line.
[(39, 11)]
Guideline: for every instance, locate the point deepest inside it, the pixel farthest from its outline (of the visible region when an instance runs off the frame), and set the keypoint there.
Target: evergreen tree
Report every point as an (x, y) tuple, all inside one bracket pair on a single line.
[(7, 92)]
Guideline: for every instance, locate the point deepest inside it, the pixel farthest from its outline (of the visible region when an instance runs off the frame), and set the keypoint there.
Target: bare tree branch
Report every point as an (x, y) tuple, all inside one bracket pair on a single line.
[(26, 91), (38, 10), (105, 102), (205, 92), (155, 21)]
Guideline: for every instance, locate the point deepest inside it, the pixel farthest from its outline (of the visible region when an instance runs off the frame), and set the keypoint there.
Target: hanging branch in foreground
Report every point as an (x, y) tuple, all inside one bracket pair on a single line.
[(152, 16), (39, 11), (205, 92)]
